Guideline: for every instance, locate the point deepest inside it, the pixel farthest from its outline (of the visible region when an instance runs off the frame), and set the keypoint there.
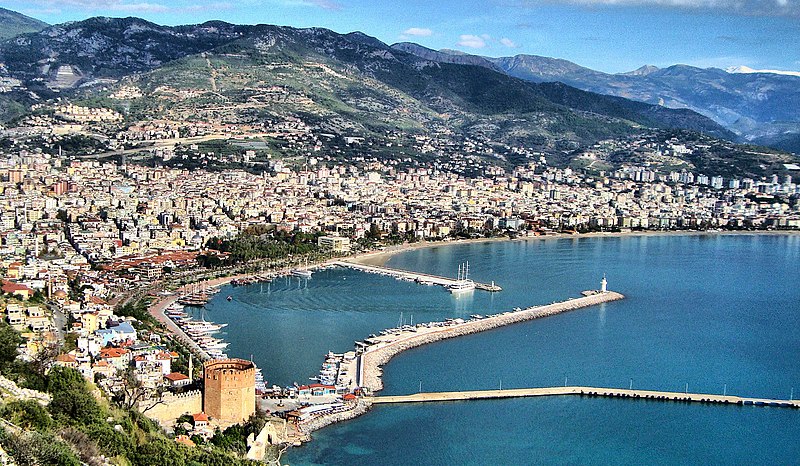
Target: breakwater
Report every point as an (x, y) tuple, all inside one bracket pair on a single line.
[(357, 408), (589, 392), (382, 349)]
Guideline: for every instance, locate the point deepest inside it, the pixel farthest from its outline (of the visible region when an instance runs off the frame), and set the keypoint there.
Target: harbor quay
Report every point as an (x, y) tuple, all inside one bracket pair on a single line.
[(377, 351), (586, 391), (422, 278)]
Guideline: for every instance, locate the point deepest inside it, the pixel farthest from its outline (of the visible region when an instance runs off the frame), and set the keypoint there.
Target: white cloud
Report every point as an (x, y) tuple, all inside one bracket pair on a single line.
[(508, 42), (471, 41), (738, 7), (324, 4), (419, 32)]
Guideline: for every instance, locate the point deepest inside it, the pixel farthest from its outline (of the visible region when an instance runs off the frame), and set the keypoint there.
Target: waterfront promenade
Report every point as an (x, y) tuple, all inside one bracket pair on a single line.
[(413, 276), (384, 347), (584, 391)]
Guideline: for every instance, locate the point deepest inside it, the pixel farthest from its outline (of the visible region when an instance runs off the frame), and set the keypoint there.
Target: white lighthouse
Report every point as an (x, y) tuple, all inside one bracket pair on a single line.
[(603, 284)]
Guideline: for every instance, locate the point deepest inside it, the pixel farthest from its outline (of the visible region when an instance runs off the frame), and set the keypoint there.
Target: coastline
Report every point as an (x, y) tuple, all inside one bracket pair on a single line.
[(379, 258), (380, 358)]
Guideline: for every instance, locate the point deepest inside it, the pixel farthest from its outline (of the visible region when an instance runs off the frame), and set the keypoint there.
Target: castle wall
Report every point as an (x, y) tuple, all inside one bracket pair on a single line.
[(172, 406)]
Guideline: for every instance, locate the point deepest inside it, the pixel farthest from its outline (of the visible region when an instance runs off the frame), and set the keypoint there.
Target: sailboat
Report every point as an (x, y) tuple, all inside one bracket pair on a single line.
[(462, 284)]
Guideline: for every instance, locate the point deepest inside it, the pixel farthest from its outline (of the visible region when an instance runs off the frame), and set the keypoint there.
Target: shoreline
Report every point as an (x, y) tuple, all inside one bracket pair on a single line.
[(373, 363), (379, 258)]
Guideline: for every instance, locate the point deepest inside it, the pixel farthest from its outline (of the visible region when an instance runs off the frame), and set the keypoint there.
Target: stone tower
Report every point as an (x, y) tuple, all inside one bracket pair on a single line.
[(229, 392)]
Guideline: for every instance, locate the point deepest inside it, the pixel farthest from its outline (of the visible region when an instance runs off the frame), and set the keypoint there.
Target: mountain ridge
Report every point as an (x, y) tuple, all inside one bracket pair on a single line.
[(103, 47), (13, 24)]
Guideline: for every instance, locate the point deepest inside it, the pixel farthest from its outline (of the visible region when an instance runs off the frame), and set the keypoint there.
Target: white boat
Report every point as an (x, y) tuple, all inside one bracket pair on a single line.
[(202, 327), (303, 273), (462, 284)]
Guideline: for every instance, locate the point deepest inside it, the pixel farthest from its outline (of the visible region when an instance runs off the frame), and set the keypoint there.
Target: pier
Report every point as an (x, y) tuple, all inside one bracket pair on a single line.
[(586, 391), (377, 351), (418, 277)]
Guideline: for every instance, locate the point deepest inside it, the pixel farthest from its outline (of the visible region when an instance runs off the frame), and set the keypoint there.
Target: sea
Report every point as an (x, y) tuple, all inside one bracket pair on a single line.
[(712, 313)]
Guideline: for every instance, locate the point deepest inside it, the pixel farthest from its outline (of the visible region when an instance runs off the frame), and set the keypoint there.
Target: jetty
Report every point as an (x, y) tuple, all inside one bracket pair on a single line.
[(588, 392), (423, 278), (376, 351)]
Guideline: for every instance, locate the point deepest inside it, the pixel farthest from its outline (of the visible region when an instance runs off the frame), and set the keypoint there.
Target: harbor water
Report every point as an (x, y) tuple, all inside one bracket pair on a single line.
[(705, 313)]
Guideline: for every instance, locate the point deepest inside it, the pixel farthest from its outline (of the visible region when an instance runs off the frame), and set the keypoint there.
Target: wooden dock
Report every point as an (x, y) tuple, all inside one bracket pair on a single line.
[(587, 392), (418, 277)]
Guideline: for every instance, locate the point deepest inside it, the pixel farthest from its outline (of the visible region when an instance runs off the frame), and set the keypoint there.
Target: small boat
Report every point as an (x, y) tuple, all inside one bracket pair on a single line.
[(229, 298), (303, 273)]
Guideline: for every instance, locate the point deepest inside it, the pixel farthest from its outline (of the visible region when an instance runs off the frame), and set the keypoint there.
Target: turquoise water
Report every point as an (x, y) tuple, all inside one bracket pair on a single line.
[(700, 310)]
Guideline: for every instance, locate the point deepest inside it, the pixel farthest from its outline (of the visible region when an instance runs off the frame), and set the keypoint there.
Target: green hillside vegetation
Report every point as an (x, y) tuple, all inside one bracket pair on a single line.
[(13, 24), (79, 425)]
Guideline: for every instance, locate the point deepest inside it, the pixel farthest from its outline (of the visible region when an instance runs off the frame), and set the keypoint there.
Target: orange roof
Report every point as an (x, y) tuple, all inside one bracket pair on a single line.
[(185, 440), (200, 417), (176, 376), (101, 363), (113, 352), (66, 358), (96, 300)]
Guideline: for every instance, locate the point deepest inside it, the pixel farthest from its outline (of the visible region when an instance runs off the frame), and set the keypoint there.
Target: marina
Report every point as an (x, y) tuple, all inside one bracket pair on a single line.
[(200, 332), (379, 349)]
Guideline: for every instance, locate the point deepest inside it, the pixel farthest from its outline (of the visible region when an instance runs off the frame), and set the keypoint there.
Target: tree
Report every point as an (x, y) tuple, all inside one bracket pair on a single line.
[(9, 342), (27, 414), (72, 403), (131, 392)]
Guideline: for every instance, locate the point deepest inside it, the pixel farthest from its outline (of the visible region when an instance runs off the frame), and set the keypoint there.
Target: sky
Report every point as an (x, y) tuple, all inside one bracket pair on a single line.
[(605, 35)]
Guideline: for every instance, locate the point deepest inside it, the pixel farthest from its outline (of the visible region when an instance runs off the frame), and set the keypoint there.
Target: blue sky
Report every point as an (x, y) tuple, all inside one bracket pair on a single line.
[(607, 35)]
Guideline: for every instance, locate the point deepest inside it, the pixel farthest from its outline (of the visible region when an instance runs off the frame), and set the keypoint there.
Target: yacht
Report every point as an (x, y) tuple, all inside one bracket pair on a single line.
[(462, 284)]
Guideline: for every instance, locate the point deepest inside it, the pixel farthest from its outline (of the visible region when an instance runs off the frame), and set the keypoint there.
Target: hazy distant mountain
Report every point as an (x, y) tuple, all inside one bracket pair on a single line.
[(13, 24), (748, 70), (751, 103), (759, 105), (445, 56)]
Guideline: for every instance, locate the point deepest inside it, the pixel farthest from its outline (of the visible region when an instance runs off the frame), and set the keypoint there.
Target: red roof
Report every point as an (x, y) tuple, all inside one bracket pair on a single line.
[(176, 376), (319, 385), (11, 287), (200, 417), (349, 397), (112, 352)]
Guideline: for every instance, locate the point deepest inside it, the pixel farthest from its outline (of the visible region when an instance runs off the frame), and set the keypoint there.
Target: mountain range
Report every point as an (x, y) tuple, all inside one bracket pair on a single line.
[(337, 83), (760, 106), (74, 54)]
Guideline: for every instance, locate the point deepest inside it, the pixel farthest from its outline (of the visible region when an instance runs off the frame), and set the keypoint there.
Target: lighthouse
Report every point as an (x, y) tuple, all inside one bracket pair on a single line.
[(603, 284)]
